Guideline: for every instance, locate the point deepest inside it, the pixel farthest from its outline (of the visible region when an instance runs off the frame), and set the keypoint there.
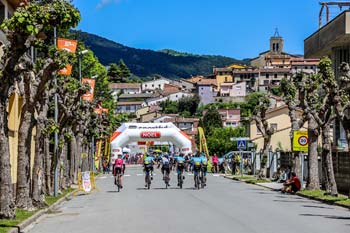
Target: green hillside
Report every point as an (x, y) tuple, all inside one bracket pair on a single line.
[(146, 63)]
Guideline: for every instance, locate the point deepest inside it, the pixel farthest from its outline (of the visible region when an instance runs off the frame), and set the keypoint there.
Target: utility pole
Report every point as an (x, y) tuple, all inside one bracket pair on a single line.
[(56, 122)]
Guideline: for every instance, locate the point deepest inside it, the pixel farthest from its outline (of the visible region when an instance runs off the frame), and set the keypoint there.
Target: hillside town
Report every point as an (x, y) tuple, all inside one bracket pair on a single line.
[(98, 136)]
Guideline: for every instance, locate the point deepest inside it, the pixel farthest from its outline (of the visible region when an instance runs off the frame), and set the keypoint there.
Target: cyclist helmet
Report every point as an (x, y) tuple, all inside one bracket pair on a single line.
[(181, 155), (120, 156)]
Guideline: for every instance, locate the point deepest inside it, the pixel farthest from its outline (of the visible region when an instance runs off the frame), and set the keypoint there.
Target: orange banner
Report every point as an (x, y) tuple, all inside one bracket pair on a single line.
[(89, 96), (70, 46), (100, 110)]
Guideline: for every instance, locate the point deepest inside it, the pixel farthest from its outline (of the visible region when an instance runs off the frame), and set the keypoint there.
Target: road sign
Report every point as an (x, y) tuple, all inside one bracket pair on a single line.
[(239, 139), (300, 141), (242, 144)]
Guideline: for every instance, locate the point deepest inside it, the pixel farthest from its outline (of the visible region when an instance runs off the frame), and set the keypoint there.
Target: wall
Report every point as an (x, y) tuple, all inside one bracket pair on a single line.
[(155, 84), (226, 78), (341, 164), (206, 94)]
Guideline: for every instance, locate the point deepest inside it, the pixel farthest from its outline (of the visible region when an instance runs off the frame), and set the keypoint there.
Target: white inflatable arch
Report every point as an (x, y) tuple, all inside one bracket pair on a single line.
[(145, 132)]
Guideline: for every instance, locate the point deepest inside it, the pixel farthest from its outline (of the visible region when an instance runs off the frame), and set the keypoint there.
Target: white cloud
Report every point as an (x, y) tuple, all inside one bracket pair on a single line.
[(104, 3)]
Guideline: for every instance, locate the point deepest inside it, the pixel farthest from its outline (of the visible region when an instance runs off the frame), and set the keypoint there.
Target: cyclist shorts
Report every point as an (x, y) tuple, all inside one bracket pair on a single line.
[(204, 169), (148, 168), (166, 168), (117, 170)]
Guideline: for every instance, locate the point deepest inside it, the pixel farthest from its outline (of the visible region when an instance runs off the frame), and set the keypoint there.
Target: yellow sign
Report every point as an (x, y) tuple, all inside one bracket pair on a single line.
[(301, 141), (86, 181)]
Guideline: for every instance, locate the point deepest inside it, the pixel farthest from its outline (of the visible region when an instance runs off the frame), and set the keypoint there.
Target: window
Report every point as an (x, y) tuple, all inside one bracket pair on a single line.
[(127, 108), (306, 67), (285, 75), (275, 76), (266, 82), (152, 85), (145, 85), (159, 85), (2, 12), (267, 76), (238, 87), (274, 126), (225, 79)]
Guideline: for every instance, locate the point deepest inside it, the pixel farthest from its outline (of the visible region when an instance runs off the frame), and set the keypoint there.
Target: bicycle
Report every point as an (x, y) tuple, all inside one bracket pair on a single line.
[(118, 181), (166, 179), (180, 178), (148, 178), (197, 181)]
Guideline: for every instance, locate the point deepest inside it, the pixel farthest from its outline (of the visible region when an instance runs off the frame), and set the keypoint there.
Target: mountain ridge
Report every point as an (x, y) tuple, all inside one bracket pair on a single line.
[(146, 63)]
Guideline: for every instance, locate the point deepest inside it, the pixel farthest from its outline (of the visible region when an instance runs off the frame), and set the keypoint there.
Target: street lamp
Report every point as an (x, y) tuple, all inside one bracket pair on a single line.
[(80, 56)]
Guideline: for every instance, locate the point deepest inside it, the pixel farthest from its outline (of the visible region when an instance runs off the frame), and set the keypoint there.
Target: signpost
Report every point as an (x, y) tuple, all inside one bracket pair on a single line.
[(241, 145), (301, 144)]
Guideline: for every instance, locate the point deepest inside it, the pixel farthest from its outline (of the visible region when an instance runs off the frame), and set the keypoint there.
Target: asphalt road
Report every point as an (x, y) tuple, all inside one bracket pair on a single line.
[(224, 206)]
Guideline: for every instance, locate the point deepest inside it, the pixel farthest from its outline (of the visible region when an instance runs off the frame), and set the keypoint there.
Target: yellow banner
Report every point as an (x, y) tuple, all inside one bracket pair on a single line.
[(301, 141)]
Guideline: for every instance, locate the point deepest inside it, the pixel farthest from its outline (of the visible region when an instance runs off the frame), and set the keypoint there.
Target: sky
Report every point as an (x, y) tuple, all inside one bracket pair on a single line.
[(234, 28)]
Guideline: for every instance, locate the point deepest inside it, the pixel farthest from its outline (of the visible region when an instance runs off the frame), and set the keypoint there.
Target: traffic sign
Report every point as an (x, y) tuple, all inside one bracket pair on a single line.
[(242, 144), (301, 141)]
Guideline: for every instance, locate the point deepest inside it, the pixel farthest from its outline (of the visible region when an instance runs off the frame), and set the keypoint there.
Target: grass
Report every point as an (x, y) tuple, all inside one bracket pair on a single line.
[(21, 215), (250, 179), (319, 194)]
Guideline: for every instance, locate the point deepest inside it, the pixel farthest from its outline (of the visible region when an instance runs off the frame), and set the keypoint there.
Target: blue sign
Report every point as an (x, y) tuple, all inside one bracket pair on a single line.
[(242, 144)]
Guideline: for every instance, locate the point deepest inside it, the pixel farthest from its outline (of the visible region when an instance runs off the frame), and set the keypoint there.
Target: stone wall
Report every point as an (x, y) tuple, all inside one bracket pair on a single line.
[(341, 163)]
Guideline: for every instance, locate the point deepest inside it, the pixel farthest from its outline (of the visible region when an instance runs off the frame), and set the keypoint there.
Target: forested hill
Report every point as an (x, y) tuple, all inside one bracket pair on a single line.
[(145, 63)]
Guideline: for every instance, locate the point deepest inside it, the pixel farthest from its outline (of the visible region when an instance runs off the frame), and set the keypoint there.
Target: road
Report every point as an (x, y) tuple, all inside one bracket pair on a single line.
[(224, 206)]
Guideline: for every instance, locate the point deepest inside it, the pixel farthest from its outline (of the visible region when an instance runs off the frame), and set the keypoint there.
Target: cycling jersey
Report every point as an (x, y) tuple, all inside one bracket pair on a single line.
[(180, 160), (165, 162), (204, 160), (118, 163), (148, 160)]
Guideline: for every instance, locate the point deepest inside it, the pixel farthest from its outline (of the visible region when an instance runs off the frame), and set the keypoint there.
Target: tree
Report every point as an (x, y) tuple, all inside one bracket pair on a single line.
[(219, 141), (124, 72), (211, 120), (114, 73), (295, 93), (260, 118), (25, 30), (189, 104)]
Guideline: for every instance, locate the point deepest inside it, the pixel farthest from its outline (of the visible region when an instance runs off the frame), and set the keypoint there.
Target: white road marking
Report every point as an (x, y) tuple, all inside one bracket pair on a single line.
[(103, 177), (190, 174), (139, 174), (127, 175), (216, 175)]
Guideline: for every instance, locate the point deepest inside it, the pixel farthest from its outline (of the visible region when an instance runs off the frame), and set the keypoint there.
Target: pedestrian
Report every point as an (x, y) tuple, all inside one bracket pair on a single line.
[(215, 161), (293, 185)]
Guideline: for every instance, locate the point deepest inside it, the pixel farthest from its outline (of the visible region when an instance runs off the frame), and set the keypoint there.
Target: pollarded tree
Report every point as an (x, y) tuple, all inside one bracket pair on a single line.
[(295, 92), (260, 118), (37, 19)]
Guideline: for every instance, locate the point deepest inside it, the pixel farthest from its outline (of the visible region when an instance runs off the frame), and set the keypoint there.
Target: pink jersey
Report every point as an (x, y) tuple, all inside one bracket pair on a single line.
[(215, 159), (118, 162)]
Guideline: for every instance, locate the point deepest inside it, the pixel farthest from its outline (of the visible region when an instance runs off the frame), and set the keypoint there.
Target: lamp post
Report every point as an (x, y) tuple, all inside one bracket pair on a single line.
[(80, 56)]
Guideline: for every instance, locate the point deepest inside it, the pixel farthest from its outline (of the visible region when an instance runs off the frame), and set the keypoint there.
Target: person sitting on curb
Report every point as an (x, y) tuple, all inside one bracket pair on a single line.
[(293, 185)]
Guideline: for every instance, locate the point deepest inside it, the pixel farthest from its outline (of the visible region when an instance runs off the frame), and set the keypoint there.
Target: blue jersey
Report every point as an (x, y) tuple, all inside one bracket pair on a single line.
[(180, 160), (148, 160), (196, 161), (204, 160)]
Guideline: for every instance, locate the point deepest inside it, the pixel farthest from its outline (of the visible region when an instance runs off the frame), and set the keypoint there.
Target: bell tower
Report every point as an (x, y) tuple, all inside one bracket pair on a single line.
[(276, 43)]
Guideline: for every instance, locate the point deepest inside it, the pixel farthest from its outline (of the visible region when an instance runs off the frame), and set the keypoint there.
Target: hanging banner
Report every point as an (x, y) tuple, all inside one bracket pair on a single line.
[(89, 96), (99, 111), (98, 154), (70, 46), (86, 182)]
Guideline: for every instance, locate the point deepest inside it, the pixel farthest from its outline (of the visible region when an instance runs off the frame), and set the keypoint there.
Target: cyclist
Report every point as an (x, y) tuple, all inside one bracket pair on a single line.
[(196, 163), (204, 167), (118, 169), (148, 167), (187, 162), (165, 166), (180, 166)]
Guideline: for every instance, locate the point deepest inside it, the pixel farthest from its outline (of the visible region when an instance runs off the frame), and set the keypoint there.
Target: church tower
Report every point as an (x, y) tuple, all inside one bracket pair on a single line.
[(276, 43)]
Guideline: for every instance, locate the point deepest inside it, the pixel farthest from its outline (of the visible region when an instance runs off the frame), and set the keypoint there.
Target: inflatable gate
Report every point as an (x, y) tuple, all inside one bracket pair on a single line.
[(145, 132)]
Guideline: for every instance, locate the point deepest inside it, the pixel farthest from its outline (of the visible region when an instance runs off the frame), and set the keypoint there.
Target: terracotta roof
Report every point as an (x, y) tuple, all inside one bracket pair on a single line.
[(276, 70), (130, 103), (207, 82), (302, 61), (125, 86), (140, 95)]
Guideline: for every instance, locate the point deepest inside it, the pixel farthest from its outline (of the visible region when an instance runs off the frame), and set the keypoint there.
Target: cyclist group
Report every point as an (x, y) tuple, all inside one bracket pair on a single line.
[(198, 164)]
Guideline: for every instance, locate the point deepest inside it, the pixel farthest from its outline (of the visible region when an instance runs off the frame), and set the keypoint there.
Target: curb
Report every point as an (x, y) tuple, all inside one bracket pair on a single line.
[(40, 213), (298, 194)]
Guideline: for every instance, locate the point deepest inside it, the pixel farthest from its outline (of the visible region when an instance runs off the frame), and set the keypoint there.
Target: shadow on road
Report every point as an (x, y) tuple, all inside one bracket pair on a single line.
[(327, 216), (112, 191), (296, 201), (319, 207)]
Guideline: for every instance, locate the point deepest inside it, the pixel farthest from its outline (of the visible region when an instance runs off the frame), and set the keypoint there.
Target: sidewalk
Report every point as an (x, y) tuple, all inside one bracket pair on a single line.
[(273, 185)]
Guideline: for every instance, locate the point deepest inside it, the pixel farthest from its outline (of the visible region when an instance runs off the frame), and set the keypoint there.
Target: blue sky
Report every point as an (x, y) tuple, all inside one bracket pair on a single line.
[(235, 28)]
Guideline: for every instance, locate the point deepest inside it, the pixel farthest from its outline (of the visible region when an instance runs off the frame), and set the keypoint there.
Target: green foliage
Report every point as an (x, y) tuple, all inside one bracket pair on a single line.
[(211, 120), (119, 73), (276, 91), (169, 107), (41, 16), (147, 63), (189, 104), (219, 140)]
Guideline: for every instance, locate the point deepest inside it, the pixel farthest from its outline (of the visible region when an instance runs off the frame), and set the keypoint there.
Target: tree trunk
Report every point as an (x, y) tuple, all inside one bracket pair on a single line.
[(23, 199), (331, 185), (38, 174), (74, 161), (313, 181), (263, 168), (7, 207), (79, 152)]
